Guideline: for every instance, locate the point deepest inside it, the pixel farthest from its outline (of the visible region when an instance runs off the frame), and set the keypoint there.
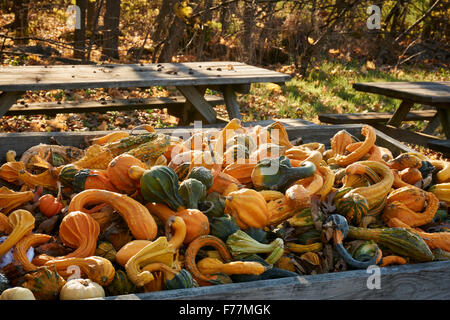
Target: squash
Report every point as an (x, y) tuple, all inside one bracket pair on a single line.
[(182, 170), (22, 223), (110, 137), (78, 289), (296, 198), (181, 280), (117, 173), (278, 134), (129, 250), (120, 285), (412, 197), (106, 250), (267, 151), (21, 248), (10, 200), (397, 209), (175, 231), (197, 223), (441, 191), (278, 174), (49, 205), (392, 259), (235, 153), (370, 136), (240, 171), (213, 265), (303, 248), (17, 293), (98, 269), (270, 195), (92, 179), (9, 171), (222, 227), (67, 174), (191, 265), (139, 220), (403, 161), (443, 170), (242, 139), (218, 205), (192, 191), (248, 208), (340, 230), (45, 283), (399, 240), (242, 243), (5, 227), (160, 184), (203, 175), (353, 207), (328, 181), (221, 181), (159, 250), (411, 175), (340, 141), (435, 240)]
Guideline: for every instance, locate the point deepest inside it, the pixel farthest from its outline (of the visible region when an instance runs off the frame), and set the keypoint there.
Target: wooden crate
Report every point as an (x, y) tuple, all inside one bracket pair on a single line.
[(414, 281)]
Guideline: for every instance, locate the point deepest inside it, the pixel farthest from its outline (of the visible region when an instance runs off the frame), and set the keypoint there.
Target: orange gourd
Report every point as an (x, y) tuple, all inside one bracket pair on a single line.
[(117, 172), (24, 244)]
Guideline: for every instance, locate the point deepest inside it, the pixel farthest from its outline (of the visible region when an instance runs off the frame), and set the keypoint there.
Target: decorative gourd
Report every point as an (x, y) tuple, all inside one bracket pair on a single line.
[(92, 179), (312, 184), (248, 208), (67, 174), (110, 137), (303, 248), (175, 231), (191, 265), (203, 175), (78, 289), (21, 248), (45, 179), (4, 224), (50, 205), (106, 250), (159, 184), (98, 269), (182, 170), (328, 181), (129, 250), (9, 171), (181, 280), (197, 223), (240, 171), (376, 192), (117, 173), (340, 141), (120, 285), (159, 250), (17, 293), (213, 265), (442, 167), (434, 240), (139, 220), (45, 283), (175, 147), (221, 181), (411, 175), (389, 260), (397, 209), (235, 153), (340, 230), (22, 223), (146, 147), (399, 240), (296, 198), (222, 227), (278, 174), (218, 205), (10, 200), (242, 139), (278, 134), (353, 207), (405, 160), (270, 195), (370, 136), (267, 151), (412, 197), (441, 191), (242, 243), (192, 191)]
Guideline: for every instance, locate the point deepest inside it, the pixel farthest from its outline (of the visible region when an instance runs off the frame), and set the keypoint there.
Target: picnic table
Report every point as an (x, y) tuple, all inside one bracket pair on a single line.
[(432, 94), (190, 79)]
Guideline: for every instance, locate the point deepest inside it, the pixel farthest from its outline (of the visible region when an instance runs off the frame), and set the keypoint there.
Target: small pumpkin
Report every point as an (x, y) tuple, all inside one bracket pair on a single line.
[(17, 293), (92, 179), (117, 172), (49, 205), (78, 289), (45, 283)]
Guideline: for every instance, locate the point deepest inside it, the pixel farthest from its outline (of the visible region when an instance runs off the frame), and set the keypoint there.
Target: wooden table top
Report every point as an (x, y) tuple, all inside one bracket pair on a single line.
[(22, 78), (419, 92)]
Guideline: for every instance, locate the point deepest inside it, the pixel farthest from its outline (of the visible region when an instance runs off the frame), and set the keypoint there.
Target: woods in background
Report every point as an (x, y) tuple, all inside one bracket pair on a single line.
[(261, 32)]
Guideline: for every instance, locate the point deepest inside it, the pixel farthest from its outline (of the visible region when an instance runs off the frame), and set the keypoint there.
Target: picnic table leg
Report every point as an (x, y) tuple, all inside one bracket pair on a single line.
[(232, 105), (432, 125), (444, 116), (7, 99), (400, 113), (195, 97)]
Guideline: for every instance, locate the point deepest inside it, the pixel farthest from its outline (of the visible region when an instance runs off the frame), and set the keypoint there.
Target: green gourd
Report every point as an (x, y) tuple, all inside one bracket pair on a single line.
[(278, 174), (203, 175), (160, 184), (353, 207), (223, 227), (218, 205), (67, 175), (192, 192), (120, 285), (182, 170), (182, 280)]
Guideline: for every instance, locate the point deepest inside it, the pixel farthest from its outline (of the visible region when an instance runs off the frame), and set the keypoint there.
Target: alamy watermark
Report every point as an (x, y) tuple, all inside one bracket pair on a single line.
[(74, 19), (374, 280), (374, 20)]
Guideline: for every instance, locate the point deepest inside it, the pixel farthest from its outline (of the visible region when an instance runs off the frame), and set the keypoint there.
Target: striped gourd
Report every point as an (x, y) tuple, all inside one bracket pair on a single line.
[(149, 151), (353, 207)]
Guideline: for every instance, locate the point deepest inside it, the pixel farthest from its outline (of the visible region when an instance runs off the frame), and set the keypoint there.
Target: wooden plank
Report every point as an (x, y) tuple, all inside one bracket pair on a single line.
[(231, 103), (52, 108), (7, 99), (419, 92), (374, 117), (107, 76), (193, 95), (400, 114), (424, 281), (441, 146), (407, 136)]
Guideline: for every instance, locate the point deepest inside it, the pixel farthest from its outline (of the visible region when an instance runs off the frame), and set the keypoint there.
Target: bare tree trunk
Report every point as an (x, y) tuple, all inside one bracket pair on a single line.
[(171, 45), (205, 17), (165, 16), (20, 23), (249, 24), (79, 45), (90, 16), (111, 30)]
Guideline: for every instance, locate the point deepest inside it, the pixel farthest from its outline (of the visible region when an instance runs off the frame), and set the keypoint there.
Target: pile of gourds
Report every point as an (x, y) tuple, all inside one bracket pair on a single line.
[(145, 212)]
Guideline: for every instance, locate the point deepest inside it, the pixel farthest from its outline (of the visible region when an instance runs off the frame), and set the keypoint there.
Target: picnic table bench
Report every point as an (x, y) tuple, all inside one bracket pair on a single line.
[(190, 79), (433, 94)]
